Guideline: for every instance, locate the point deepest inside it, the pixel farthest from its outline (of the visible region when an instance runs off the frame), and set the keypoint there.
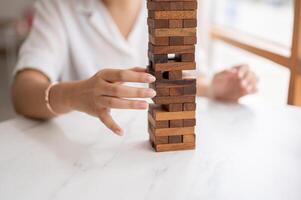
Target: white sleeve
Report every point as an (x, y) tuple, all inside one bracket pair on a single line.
[(46, 47)]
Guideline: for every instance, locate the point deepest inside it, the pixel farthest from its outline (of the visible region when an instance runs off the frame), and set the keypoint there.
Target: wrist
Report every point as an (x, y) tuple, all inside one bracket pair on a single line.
[(63, 97)]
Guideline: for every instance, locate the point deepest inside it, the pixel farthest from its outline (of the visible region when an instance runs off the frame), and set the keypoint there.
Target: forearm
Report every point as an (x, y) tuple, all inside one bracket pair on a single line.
[(28, 93)]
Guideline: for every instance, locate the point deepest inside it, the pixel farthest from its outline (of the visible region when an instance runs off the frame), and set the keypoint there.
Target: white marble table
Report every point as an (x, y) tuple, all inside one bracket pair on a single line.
[(243, 153)]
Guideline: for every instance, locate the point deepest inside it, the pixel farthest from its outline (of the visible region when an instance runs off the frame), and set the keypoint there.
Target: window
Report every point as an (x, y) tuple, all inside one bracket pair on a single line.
[(266, 34)]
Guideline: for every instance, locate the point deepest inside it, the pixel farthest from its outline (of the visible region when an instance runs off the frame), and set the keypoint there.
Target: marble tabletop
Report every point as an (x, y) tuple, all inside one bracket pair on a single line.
[(243, 153)]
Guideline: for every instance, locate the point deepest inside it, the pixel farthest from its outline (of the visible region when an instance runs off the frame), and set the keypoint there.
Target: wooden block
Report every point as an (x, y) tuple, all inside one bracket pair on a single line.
[(158, 139), (174, 131), (173, 100), (176, 5), (189, 122), (175, 66), (173, 14), (175, 23), (178, 107), (169, 32), (160, 115), (162, 41), (189, 90), (176, 91), (175, 83), (161, 140), (174, 41), (158, 23), (190, 40), (158, 124), (175, 139), (174, 147), (189, 138), (189, 107), (163, 92), (159, 6), (176, 123), (158, 58), (171, 49), (189, 23), (187, 57), (190, 5), (175, 75)]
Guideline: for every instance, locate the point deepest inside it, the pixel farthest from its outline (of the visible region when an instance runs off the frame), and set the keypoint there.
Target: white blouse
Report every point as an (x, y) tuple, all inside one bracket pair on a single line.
[(73, 39)]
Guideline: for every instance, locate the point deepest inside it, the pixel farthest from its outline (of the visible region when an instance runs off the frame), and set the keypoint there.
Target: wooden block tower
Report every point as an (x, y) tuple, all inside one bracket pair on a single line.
[(172, 38)]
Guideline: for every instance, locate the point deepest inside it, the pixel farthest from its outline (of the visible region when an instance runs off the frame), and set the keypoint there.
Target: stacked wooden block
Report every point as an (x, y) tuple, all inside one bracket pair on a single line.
[(172, 38)]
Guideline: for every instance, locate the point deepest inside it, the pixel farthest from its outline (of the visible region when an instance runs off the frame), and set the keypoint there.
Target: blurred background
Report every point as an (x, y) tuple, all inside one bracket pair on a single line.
[(270, 20)]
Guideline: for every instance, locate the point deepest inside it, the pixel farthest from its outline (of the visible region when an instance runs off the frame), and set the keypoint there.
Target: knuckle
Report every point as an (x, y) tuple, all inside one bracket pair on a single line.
[(110, 102), (115, 90), (122, 75)]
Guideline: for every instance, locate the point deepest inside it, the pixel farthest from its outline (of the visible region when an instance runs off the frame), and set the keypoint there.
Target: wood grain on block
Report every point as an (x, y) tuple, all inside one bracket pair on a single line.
[(189, 106), (191, 90), (162, 41), (189, 23), (174, 139), (174, 14), (172, 5), (177, 107), (159, 6), (169, 32), (175, 83), (158, 139), (187, 57), (176, 123), (174, 131), (175, 23), (189, 138), (158, 23), (175, 41), (158, 124), (174, 147), (173, 100), (171, 49), (179, 91), (190, 40), (174, 66), (189, 122), (161, 92), (160, 115), (175, 75), (190, 5)]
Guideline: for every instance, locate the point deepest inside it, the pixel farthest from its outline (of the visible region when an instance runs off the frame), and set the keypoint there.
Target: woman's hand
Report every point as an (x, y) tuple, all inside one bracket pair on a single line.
[(105, 90), (232, 84)]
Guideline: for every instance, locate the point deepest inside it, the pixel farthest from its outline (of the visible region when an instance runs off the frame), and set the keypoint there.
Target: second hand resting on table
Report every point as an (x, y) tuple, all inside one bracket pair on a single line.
[(105, 91)]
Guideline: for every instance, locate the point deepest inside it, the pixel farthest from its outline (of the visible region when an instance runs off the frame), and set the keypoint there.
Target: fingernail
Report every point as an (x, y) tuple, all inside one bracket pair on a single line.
[(142, 105), (119, 132), (151, 93), (150, 79)]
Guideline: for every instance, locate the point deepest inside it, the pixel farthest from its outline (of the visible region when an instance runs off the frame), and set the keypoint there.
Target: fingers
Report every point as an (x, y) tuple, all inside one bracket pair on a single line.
[(134, 75), (124, 91), (249, 83), (113, 102), (108, 121), (242, 70), (138, 69)]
